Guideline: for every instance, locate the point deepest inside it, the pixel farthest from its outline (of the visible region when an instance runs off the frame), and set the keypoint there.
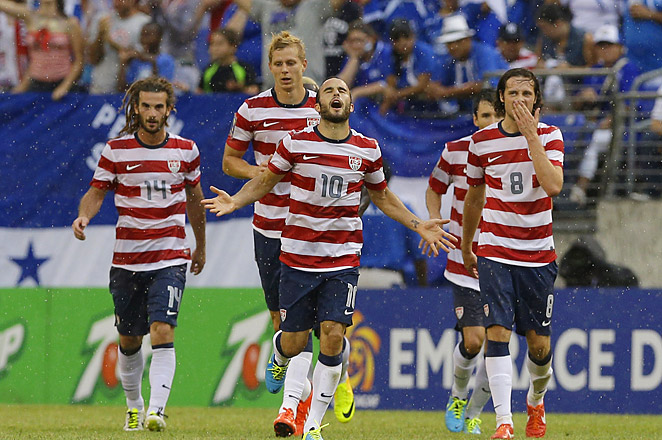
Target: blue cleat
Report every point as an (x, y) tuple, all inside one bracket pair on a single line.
[(315, 434), (455, 414), (472, 426), (274, 376)]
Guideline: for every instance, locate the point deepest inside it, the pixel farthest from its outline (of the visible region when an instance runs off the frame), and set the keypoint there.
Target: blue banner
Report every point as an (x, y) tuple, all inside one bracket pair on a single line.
[(607, 351)]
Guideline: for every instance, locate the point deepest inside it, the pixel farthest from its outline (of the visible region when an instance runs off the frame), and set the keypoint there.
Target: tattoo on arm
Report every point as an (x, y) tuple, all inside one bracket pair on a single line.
[(415, 223)]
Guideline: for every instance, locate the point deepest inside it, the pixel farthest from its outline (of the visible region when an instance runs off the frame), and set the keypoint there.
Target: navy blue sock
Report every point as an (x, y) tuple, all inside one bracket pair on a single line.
[(496, 349), (330, 361), (542, 361)]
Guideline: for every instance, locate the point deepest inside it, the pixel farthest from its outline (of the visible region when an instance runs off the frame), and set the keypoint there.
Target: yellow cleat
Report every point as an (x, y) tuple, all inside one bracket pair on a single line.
[(343, 406)]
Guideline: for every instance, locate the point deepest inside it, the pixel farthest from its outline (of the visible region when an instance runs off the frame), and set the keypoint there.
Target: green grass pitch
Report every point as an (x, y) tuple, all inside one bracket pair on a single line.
[(99, 422)]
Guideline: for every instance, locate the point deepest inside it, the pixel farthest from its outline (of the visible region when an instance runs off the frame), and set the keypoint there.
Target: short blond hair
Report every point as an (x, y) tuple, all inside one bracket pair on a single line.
[(283, 40)]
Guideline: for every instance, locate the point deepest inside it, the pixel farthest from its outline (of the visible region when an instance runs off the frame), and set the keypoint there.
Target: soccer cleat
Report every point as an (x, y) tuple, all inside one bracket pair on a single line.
[(284, 425), (134, 420), (455, 414), (315, 434), (274, 376), (472, 426), (155, 421), (504, 431), (302, 414), (536, 425), (343, 406)]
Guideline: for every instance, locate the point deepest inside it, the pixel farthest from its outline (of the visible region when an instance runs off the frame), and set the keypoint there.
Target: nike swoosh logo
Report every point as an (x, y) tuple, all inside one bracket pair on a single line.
[(171, 313), (132, 167), (348, 312), (492, 159), (327, 396), (164, 386), (269, 124), (546, 323), (349, 413), (309, 157)]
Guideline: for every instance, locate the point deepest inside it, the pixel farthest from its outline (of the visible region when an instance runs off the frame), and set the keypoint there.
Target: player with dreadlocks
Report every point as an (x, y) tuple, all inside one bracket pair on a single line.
[(156, 179)]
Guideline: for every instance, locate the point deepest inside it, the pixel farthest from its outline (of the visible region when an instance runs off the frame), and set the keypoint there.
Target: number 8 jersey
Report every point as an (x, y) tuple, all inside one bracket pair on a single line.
[(516, 226), (323, 231), (150, 197)]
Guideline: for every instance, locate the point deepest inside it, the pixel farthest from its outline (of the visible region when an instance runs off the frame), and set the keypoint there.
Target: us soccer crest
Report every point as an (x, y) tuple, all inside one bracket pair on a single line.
[(459, 312), (486, 309), (174, 165), (283, 315), (355, 162), (313, 121)]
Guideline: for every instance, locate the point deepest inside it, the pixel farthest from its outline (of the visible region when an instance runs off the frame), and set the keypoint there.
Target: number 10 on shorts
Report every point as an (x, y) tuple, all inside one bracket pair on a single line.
[(351, 295)]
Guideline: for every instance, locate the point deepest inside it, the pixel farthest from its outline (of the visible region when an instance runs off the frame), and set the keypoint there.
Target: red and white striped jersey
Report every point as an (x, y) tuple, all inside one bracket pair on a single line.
[(265, 121), (452, 168), (150, 197), (516, 226), (323, 231)]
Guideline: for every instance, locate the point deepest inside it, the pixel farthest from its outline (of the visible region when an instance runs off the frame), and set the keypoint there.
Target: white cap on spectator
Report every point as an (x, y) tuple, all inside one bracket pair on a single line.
[(607, 33), (455, 28)]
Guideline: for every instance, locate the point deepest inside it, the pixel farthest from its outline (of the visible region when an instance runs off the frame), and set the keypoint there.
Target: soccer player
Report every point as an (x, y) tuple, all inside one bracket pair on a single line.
[(514, 169), (264, 120), (156, 179), (321, 240), (467, 300)]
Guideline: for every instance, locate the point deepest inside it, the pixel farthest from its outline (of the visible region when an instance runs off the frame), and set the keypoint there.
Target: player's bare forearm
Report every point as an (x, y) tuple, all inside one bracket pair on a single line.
[(234, 165), (88, 208), (549, 176), (196, 214), (433, 203), (252, 191), (473, 209)]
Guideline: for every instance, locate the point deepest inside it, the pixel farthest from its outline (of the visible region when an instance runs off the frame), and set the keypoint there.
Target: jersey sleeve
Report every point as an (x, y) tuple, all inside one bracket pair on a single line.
[(192, 175), (283, 159), (554, 148), (475, 171), (241, 132), (441, 176), (105, 175), (374, 174)]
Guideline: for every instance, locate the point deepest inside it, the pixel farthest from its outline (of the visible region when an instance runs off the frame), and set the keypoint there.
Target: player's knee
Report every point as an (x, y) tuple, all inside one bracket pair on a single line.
[(473, 343), (161, 332), (539, 349), (333, 334), (130, 344)]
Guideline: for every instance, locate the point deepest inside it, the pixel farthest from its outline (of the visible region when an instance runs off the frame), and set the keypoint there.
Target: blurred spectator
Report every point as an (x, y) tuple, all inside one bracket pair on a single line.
[(250, 38), (363, 71), (135, 65), (599, 95), (483, 19), (642, 27), (335, 32), (656, 114), (511, 46), (589, 15), (462, 70), (416, 12), (407, 71), (524, 13), (120, 30), (181, 20), (303, 18), (13, 51), (55, 44), (561, 44), (225, 73)]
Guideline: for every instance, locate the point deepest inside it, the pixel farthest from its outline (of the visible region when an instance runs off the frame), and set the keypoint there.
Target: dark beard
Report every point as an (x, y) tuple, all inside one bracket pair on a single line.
[(326, 114), (158, 128)]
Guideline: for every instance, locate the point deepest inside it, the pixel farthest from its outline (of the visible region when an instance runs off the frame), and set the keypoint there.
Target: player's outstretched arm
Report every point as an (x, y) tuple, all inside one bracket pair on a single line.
[(235, 165), (89, 206), (433, 204), (473, 209), (429, 230), (196, 216), (252, 191)]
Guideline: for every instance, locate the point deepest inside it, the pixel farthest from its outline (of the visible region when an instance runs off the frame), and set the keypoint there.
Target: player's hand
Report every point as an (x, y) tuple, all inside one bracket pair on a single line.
[(470, 263), (264, 165), (435, 237), (221, 204), (198, 260), (527, 123), (78, 226)]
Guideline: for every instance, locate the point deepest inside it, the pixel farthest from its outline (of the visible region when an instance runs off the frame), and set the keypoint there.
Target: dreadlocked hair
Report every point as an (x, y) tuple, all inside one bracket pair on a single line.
[(130, 101)]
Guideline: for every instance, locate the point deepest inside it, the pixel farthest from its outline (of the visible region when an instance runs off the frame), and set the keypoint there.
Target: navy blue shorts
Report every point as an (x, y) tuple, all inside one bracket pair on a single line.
[(267, 254), (469, 307), (308, 298), (142, 298), (518, 294)]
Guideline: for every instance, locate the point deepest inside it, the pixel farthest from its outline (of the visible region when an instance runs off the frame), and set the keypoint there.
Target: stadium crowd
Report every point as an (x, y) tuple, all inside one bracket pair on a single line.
[(408, 54)]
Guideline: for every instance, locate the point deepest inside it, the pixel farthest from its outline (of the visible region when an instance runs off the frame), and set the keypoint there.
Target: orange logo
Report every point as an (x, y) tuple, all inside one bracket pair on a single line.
[(365, 344)]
